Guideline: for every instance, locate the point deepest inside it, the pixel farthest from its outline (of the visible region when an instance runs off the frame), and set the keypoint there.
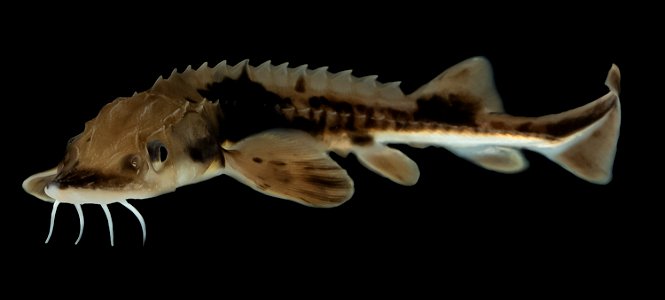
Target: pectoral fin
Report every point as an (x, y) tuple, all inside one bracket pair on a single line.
[(389, 163), (289, 164), (499, 159)]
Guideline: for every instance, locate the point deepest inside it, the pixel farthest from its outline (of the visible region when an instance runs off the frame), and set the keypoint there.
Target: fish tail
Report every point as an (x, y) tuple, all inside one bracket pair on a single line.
[(588, 152)]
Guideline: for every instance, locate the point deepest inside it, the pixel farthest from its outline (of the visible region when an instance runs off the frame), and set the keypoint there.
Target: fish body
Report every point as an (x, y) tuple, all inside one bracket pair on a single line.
[(272, 127)]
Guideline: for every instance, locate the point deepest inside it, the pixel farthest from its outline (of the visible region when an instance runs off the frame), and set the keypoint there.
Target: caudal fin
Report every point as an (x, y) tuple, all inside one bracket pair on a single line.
[(589, 152)]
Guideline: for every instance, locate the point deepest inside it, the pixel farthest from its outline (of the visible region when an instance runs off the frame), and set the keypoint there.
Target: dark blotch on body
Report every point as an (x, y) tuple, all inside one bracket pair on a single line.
[(204, 150), (345, 118), (338, 106), (277, 163), (454, 109), (362, 140), (397, 115), (524, 127), (370, 122), (361, 109), (324, 168), (246, 107), (498, 125), (300, 85)]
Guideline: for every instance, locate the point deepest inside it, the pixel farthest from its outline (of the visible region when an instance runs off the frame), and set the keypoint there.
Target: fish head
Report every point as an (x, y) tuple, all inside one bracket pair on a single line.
[(136, 148)]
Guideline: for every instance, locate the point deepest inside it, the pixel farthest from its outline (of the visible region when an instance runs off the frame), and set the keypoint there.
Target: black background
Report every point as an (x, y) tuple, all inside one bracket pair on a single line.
[(458, 216)]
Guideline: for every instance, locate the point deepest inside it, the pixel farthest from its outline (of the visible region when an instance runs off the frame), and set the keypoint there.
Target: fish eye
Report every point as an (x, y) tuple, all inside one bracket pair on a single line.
[(158, 154)]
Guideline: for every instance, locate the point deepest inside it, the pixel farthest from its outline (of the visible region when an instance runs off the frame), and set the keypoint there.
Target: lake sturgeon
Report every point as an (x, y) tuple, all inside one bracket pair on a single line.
[(272, 127)]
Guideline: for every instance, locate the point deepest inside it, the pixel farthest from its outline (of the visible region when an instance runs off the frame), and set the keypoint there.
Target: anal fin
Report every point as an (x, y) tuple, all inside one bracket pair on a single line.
[(499, 159), (388, 162), (289, 164)]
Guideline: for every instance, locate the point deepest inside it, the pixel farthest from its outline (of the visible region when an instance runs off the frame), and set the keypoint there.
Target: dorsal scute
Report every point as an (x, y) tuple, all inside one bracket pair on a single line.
[(298, 83)]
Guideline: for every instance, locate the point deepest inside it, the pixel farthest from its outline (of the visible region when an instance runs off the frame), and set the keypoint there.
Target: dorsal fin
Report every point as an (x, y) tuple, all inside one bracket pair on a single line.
[(472, 79)]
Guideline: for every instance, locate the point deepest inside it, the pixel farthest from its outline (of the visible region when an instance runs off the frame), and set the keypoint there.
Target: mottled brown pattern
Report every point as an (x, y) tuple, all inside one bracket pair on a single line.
[(330, 114)]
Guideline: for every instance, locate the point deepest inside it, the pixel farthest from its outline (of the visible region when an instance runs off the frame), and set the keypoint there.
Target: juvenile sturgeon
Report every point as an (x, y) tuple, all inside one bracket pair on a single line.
[(272, 127)]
